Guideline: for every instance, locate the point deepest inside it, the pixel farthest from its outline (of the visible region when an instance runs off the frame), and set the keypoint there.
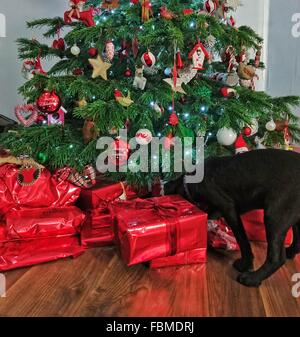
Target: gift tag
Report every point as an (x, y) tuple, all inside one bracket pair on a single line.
[(28, 174)]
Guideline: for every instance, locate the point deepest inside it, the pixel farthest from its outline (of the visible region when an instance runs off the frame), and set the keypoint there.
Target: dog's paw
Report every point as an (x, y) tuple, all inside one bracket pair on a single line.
[(249, 280), (243, 265)]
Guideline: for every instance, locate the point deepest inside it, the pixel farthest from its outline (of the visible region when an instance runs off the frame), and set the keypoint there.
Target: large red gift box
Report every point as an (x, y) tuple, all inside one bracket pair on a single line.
[(194, 256), (220, 235), (158, 227), (33, 236)]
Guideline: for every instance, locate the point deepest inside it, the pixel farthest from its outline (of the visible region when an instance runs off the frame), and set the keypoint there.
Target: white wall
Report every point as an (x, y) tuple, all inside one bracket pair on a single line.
[(17, 12)]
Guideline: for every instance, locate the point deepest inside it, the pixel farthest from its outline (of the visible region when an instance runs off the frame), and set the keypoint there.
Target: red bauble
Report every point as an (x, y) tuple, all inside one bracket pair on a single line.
[(93, 52), (48, 102), (247, 131), (59, 44), (173, 120), (127, 73), (42, 119), (119, 151), (78, 72)]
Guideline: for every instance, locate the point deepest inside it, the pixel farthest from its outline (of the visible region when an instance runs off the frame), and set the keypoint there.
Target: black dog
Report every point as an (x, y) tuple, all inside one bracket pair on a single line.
[(262, 179)]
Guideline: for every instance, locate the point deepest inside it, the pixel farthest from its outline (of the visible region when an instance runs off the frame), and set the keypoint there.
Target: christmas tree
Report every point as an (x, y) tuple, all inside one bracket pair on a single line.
[(157, 68)]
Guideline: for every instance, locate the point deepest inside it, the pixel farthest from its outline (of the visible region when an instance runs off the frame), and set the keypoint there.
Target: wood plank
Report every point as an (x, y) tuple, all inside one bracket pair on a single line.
[(51, 289), (226, 296)]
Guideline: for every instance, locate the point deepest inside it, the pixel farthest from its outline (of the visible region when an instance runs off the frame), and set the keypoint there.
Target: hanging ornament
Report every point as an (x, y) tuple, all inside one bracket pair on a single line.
[(146, 10), (89, 131), (57, 118), (77, 72), (135, 47), (177, 88), (110, 4), (242, 57), (166, 13), (168, 71), (271, 126), (254, 126), (82, 103), (99, 67), (42, 119), (230, 79), (122, 100), (77, 13), (210, 41), (109, 50), (173, 119), (28, 174), (139, 79), (84, 179), (226, 136), (59, 44), (281, 124), (187, 74), (257, 57), (75, 50), (179, 62), (210, 6), (42, 157), (229, 59), (246, 72), (119, 152), (247, 131), (148, 59), (228, 92), (240, 145), (198, 54), (93, 52), (127, 73), (27, 114), (48, 102), (143, 137)]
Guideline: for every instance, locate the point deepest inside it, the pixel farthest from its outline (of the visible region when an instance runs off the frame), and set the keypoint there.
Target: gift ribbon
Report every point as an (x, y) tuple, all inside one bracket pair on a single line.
[(170, 213)]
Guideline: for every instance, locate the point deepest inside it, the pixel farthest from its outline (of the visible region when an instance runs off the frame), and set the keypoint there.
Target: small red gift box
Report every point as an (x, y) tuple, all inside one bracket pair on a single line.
[(43, 222), (158, 227), (100, 196), (96, 237), (194, 256), (220, 236)]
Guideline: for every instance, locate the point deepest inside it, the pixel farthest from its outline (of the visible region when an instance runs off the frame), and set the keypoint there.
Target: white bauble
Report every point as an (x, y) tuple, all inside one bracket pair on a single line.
[(143, 137), (75, 50), (271, 126), (226, 136)]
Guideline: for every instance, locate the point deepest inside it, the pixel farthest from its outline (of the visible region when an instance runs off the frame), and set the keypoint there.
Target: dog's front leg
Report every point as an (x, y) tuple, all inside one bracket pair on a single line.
[(224, 203)]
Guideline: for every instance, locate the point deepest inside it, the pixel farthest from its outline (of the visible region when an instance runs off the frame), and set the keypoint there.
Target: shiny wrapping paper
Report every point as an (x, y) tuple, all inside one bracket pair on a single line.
[(96, 237), (220, 235), (157, 227), (101, 195), (47, 191), (23, 253), (195, 256), (42, 222)]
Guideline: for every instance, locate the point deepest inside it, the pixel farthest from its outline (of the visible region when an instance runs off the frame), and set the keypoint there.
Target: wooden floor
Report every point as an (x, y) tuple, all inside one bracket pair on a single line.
[(99, 284)]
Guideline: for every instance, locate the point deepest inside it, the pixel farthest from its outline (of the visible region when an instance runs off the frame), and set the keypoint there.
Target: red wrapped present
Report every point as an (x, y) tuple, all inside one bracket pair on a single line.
[(96, 237), (158, 227), (43, 222), (23, 253), (100, 196), (220, 236), (45, 191), (194, 256)]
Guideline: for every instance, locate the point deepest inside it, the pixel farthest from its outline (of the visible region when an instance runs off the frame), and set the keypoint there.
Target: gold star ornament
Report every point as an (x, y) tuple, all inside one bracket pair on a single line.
[(99, 67)]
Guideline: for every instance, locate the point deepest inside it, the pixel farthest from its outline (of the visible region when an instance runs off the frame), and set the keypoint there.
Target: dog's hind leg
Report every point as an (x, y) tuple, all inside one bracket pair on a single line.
[(294, 249), (275, 257)]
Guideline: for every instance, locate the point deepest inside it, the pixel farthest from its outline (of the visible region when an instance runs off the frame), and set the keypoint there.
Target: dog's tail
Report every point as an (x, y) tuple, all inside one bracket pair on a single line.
[(294, 248)]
